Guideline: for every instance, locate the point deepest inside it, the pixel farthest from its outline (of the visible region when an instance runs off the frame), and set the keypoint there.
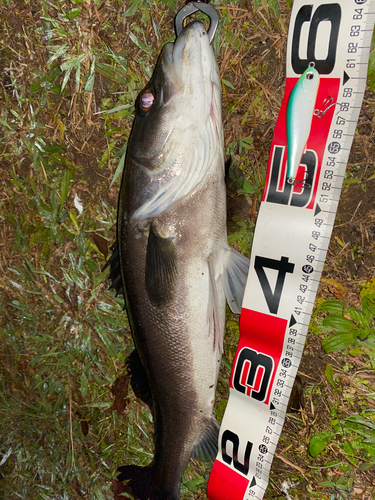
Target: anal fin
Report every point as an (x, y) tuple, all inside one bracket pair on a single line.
[(115, 270), (207, 447), (138, 378), (235, 277)]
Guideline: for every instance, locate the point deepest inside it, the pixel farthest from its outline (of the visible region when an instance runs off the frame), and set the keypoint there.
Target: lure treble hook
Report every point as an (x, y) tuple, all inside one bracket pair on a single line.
[(326, 104), (191, 8)]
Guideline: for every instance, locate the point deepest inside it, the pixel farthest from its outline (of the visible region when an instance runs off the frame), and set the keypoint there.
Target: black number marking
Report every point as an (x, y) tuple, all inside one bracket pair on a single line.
[(283, 266), (326, 12), (229, 436), (334, 147), (251, 361), (274, 195)]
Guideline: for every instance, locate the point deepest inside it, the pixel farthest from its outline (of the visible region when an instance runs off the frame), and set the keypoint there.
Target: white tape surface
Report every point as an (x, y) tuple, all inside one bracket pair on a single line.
[(290, 243)]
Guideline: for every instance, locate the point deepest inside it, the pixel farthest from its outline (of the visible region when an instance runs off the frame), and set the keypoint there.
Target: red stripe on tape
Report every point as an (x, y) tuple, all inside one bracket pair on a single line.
[(261, 340), (225, 483)]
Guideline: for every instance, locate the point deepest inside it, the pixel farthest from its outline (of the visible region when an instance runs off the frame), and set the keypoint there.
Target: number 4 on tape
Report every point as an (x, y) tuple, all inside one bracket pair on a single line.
[(290, 242)]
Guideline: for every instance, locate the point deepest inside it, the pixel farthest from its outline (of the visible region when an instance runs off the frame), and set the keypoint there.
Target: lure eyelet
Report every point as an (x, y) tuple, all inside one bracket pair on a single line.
[(146, 100)]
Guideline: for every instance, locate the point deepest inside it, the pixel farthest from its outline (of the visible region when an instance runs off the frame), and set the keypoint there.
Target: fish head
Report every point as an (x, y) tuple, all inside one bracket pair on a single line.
[(174, 111)]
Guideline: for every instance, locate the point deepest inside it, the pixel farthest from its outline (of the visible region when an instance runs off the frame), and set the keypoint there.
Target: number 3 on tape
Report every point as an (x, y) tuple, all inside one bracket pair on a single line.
[(294, 226)]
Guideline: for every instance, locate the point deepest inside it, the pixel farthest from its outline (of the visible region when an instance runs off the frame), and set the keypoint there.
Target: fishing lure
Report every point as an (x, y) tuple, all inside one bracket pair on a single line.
[(299, 114)]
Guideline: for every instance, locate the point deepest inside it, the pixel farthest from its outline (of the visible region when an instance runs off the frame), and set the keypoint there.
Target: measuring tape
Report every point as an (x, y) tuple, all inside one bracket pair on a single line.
[(291, 239)]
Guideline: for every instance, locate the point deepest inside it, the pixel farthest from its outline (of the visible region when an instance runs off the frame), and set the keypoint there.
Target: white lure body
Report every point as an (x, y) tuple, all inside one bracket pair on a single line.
[(299, 114)]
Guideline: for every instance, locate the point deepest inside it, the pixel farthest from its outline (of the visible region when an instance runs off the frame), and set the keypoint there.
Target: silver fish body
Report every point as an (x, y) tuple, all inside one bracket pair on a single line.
[(176, 265)]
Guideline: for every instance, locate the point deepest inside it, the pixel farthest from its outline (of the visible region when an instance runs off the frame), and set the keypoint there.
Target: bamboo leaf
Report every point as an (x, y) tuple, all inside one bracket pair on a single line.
[(119, 169), (73, 13), (139, 43), (90, 81)]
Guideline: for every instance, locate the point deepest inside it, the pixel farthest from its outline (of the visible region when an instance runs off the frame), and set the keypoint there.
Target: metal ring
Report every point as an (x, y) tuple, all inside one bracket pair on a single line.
[(193, 7)]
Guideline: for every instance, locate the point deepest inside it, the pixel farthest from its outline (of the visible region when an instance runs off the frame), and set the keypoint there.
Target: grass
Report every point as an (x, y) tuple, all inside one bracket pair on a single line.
[(69, 74)]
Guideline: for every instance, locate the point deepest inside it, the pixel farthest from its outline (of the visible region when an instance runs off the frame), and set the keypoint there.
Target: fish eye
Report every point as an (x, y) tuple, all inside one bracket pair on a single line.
[(147, 100), (310, 76)]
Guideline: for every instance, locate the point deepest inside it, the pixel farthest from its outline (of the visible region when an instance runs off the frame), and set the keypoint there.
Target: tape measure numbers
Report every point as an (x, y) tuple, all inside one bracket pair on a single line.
[(291, 240)]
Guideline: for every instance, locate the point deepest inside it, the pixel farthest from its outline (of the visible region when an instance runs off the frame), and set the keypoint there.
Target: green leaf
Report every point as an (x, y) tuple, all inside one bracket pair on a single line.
[(340, 324), (65, 187), (35, 87), (90, 80), (247, 188), (65, 80), (119, 169), (274, 6), (134, 6), (118, 108), (358, 419), (357, 315), (73, 13), (338, 341), (116, 74), (366, 466), (318, 443), (98, 405), (227, 84), (194, 485), (371, 71), (139, 43), (348, 448), (84, 384), (172, 4), (329, 373), (332, 306), (74, 62), (111, 347), (59, 50)]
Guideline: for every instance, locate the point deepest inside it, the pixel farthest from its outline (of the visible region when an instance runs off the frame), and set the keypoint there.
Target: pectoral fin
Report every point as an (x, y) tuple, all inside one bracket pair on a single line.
[(161, 268)]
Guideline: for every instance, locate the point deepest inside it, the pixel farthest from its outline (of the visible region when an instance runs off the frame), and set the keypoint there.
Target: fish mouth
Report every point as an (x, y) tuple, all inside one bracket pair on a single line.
[(183, 61)]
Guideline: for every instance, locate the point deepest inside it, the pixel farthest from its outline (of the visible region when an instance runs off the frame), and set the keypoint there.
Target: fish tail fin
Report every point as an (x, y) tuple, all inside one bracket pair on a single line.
[(142, 484), (235, 277)]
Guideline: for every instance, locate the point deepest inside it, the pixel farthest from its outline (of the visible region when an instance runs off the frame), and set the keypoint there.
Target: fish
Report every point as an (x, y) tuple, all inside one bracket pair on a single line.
[(172, 260), (299, 115)]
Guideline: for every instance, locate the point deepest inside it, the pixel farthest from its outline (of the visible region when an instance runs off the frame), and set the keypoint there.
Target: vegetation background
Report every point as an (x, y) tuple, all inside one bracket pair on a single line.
[(70, 71)]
